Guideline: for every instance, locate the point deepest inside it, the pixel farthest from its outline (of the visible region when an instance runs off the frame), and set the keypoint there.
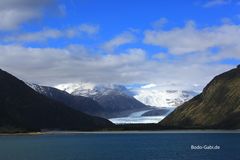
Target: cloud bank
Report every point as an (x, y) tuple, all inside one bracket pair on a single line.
[(48, 33), (51, 66), (220, 42)]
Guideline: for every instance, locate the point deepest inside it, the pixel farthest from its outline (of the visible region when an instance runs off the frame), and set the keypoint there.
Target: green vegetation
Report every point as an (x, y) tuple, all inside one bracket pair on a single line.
[(218, 106)]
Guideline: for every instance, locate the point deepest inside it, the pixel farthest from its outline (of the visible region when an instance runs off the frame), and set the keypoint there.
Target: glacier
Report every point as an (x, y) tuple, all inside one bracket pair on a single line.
[(137, 118), (150, 94)]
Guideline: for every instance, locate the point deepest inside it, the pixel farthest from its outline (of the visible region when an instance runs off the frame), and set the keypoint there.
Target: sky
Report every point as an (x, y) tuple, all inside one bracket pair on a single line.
[(129, 42)]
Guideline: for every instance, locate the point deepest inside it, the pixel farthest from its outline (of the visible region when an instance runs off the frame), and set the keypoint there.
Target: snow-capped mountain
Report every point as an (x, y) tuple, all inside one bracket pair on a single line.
[(37, 88), (102, 100), (154, 95), (83, 89), (117, 100), (90, 90), (81, 103), (149, 94)]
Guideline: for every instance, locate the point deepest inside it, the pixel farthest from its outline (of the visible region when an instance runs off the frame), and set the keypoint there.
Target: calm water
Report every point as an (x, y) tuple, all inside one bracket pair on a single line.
[(117, 146)]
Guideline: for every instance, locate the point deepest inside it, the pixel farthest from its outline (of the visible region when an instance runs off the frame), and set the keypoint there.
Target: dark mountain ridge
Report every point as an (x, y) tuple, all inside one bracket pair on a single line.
[(24, 109)]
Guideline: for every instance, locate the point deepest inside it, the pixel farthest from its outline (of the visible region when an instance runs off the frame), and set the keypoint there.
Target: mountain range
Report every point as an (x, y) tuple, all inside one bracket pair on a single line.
[(113, 101), (152, 96), (116, 100), (23, 109), (26, 107)]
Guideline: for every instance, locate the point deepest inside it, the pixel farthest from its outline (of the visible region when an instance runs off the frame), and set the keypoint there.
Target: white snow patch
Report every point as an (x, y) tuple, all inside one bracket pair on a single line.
[(157, 96)]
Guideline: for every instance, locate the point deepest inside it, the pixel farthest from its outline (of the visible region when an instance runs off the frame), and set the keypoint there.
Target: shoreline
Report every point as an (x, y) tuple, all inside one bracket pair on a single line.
[(122, 132)]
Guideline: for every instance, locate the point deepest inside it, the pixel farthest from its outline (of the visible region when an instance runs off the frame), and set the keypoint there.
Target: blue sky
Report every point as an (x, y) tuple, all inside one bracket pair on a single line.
[(126, 42), (115, 17)]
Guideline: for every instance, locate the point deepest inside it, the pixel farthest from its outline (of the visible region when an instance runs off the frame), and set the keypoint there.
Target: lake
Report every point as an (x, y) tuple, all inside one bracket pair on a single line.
[(121, 146)]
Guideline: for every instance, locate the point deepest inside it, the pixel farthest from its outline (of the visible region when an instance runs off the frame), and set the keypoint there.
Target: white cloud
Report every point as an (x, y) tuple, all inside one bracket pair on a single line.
[(48, 33), (119, 40), (151, 85), (51, 66), (35, 36), (15, 12), (11, 19), (212, 3), (189, 39)]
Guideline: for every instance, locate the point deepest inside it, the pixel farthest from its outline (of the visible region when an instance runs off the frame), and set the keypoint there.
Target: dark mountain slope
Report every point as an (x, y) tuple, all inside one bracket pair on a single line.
[(22, 107), (218, 106), (118, 105), (80, 103)]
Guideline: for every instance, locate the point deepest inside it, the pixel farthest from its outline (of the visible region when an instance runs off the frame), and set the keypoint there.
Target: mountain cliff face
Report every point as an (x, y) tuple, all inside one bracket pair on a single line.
[(80, 103), (115, 99), (21, 108), (218, 106)]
